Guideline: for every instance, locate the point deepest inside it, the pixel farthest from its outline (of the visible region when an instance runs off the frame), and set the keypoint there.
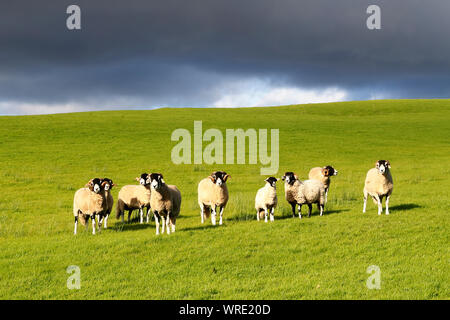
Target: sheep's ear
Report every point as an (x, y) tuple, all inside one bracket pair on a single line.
[(388, 164), (295, 176), (138, 179), (90, 185), (283, 178), (226, 177), (212, 179), (377, 164), (325, 172), (277, 179)]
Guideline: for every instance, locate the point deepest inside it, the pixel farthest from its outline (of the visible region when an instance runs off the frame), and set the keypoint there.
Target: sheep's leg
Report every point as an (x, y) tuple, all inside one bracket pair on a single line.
[(321, 208), (387, 204), (213, 215), (265, 214), (271, 214), (148, 214), (257, 214), (99, 221), (168, 223), (299, 211), (129, 215), (380, 205), (293, 209), (221, 213), (141, 215), (87, 222), (173, 222), (93, 224), (163, 223), (106, 220), (310, 210), (155, 214), (76, 225), (365, 201), (202, 212)]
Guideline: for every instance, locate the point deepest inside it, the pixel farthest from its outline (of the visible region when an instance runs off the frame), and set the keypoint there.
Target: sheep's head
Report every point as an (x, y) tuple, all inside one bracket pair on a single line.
[(289, 177), (219, 177), (107, 184), (329, 171), (272, 181), (94, 185), (382, 166), (156, 180), (144, 179)]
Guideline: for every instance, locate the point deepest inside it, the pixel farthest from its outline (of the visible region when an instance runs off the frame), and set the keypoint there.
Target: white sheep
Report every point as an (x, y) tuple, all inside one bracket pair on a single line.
[(133, 197), (379, 184), (323, 175), (213, 193), (89, 202), (266, 199), (303, 192), (165, 202)]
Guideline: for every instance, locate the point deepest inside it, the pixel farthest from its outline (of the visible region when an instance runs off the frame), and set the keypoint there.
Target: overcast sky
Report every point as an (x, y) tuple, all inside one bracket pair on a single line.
[(141, 54)]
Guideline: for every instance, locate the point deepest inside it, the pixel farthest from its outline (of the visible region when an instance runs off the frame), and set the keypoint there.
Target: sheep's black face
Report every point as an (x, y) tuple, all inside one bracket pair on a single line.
[(382, 166), (289, 177), (107, 184), (144, 179), (330, 171), (95, 185), (219, 177), (156, 180), (272, 181)]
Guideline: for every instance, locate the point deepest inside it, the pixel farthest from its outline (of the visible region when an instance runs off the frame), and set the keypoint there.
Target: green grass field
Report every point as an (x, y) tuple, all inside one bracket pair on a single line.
[(45, 159)]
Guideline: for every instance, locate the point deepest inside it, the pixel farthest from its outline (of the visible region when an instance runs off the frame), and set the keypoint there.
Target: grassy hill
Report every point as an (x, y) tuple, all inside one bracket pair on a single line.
[(45, 159)]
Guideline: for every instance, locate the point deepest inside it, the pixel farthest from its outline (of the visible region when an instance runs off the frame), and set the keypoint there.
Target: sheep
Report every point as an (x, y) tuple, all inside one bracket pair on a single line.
[(379, 184), (303, 192), (165, 202), (134, 197), (107, 185), (266, 199), (323, 175), (213, 193), (88, 202)]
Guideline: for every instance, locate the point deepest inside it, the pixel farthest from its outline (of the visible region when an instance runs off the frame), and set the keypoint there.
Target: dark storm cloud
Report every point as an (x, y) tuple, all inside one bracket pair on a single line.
[(181, 53)]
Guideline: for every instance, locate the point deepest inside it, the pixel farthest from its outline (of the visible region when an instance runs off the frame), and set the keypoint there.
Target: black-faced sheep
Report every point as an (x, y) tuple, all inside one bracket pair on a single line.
[(303, 192), (213, 193), (107, 185), (165, 201), (89, 202), (266, 199), (379, 184), (323, 175), (133, 197)]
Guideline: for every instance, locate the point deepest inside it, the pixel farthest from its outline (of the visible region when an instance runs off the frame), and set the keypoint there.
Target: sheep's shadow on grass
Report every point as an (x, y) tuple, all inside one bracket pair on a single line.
[(313, 214), (131, 226), (404, 207), (326, 212), (201, 227)]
